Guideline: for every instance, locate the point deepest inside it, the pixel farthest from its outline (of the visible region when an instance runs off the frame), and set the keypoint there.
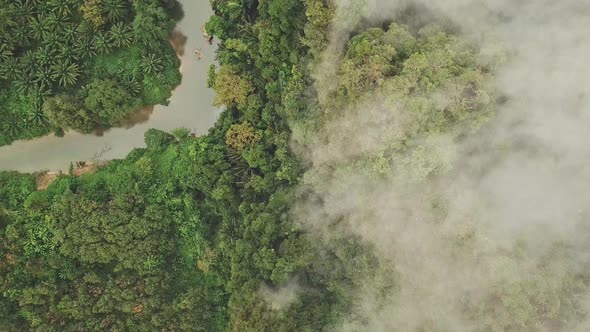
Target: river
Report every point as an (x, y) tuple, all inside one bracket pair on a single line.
[(190, 106)]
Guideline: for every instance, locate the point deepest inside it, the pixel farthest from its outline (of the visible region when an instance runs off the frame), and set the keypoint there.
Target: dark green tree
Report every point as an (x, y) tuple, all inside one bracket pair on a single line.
[(66, 73)]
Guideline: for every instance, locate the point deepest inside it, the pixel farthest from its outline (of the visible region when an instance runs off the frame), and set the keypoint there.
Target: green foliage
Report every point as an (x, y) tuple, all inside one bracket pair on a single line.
[(241, 135), (58, 47), (92, 12), (157, 140), (180, 235), (232, 89), (69, 112), (184, 234), (108, 102), (181, 134)]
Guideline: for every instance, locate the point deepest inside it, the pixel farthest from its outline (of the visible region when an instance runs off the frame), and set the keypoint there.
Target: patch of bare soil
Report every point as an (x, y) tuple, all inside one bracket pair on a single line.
[(44, 179), (83, 167)]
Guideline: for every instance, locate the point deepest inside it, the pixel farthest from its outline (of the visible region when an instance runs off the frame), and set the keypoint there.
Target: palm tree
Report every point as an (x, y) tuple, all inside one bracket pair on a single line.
[(66, 53), (85, 48), (120, 34), (45, 56), (24, 81), (38, 27), (7, 15), (131, 84), (102, 43), (86, 29), (66, 73), (37, 116), (9, 69), (61, 7), (22, 35), (28, 60), (25, 123), (13, 129), (44, 77), (51, 41), (52, 21), (114, 9), (42, 6), (4, 75), (5, 50), (69, 33), (151, 64), (24, 9), (41, 92)]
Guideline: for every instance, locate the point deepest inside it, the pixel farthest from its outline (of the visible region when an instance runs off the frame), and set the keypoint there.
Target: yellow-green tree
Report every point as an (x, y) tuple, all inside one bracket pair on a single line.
[(92, 12), (241, 135), (232, 88)]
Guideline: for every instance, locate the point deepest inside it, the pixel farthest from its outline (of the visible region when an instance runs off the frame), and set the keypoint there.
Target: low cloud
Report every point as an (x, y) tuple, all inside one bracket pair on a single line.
[(279, 298), (500, 239)]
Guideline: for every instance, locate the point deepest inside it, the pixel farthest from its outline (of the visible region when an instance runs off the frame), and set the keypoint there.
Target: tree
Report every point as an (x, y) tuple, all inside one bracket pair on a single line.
[(102, 43), (44, 77), (46, 44), (232, 88), (108, 102), (66, 73), (5, 51), (22, 35), (61, 7), (69, 112), (121, 35), (39, 27), (114, 9), (92, 12), (157, 139), (151, 24), (240, 136), (151, 64), (85, 47)]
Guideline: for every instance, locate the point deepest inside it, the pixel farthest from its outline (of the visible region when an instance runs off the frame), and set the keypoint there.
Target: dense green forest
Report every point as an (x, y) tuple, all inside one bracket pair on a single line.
[(82, 64), (206, 233)]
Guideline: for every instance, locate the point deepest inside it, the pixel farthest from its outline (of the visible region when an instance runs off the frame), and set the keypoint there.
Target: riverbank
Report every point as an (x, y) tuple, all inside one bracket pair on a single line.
[(46, 178)]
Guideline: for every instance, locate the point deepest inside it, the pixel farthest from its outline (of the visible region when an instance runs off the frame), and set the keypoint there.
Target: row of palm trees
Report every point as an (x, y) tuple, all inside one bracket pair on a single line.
[(119, 35), (112, 9), (51, 51), (44, 41), (46, 47)]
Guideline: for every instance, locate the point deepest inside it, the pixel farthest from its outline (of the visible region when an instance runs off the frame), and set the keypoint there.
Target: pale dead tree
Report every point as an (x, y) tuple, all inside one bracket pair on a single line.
[(97, 158)]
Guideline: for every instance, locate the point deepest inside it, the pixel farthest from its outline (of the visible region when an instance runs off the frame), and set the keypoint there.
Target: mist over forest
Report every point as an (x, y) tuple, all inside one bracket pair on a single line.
[(463, 168)]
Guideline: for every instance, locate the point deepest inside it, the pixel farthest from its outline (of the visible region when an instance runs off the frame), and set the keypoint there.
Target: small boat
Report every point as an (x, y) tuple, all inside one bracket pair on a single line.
[(198, 54)]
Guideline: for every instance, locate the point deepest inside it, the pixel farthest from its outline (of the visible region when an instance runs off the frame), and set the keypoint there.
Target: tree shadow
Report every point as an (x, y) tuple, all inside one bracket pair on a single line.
[(138, 117), (134, 118), (178, 42)]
